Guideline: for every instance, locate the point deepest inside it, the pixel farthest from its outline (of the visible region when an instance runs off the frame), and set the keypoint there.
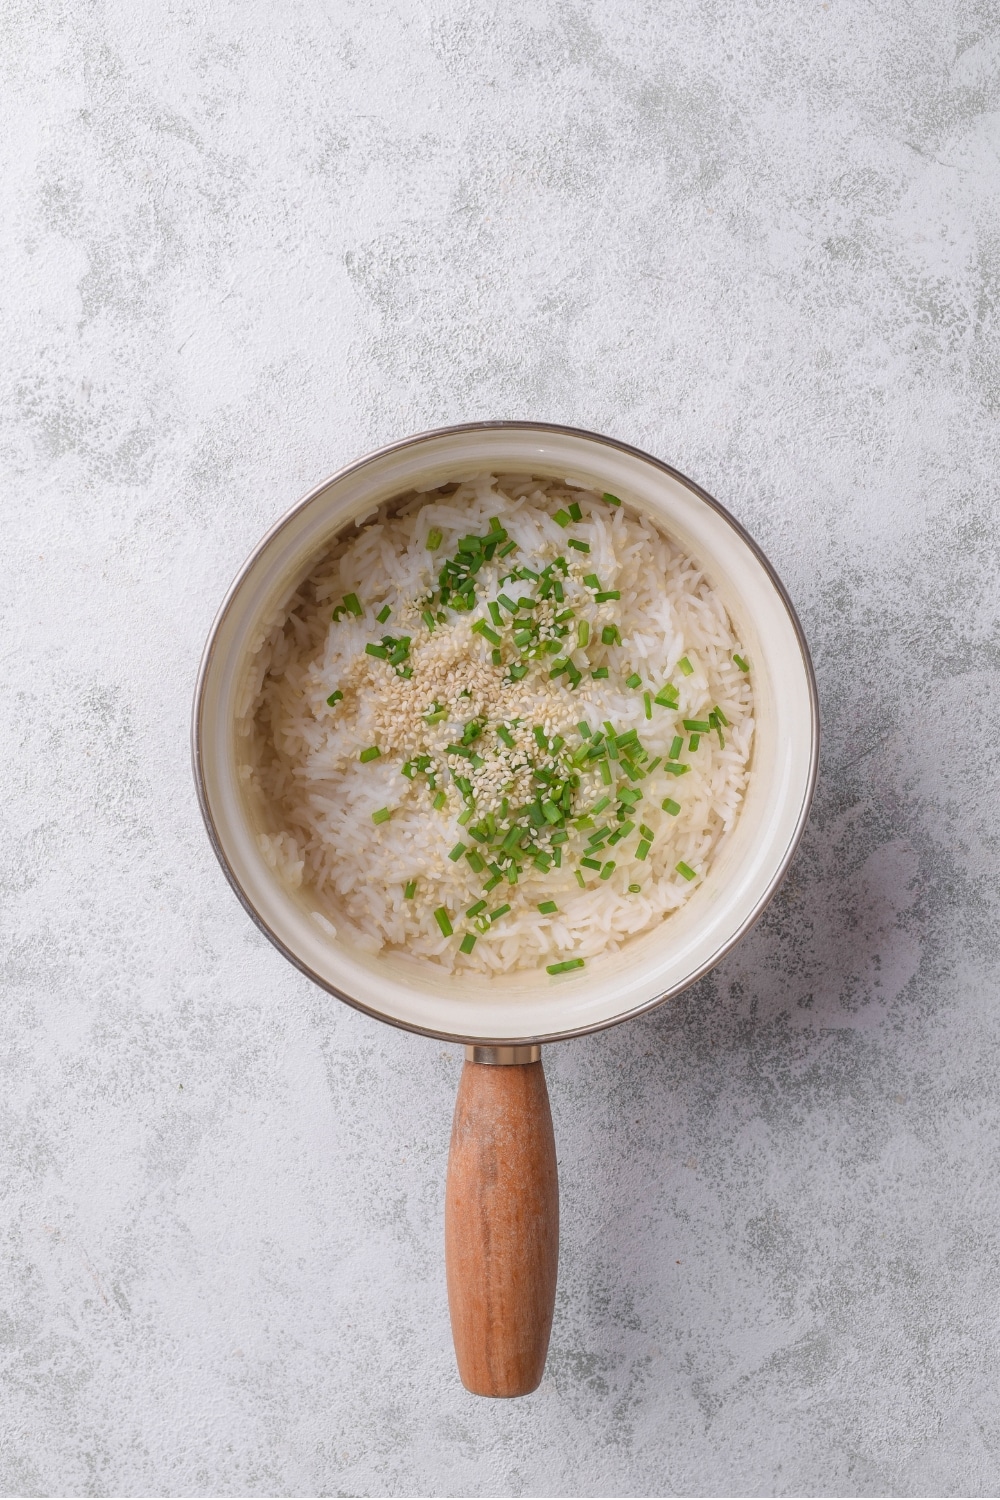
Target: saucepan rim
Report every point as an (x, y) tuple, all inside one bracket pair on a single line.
[(414, 441)]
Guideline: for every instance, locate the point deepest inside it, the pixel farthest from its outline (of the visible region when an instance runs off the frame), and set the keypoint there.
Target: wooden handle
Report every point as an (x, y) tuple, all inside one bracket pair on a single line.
[(501, 1226)]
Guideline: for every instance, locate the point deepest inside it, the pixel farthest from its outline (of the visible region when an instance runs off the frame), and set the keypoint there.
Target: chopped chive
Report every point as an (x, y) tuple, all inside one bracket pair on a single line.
[(491, 884), (605, 770), (667, 696), (410, 890), (428, 619), (439, 801), (576, 512), (608, 635), (612, 750), (676, 746), (372, 753), (504, 734), (433, 539), (635, 889), (547, 908), (517, 672), (562, 518), (685, 870), (621, 833), (476, 862), (373, 650), (507, 603), (606, 594), (495, 614), (334, 698), (592, 581), (501, 911), (468, 943), (633, 681), (475, 908), (646, 832), (580, 880), (611, 499), (676, 768), (506, 549), (551, 813), (647, 705), (351, 603), (383, 614), (599, 807), (694, 742), (540, 738), (685, 666), (442, 919), (579, 546), (721, 717), (565, 966), (642, 849), (481, 628), (382, 816), (599, 672), (697, 726), (741, 662), (496, 657), (608, 869), (590, 864), (670, 806), (584, 730)]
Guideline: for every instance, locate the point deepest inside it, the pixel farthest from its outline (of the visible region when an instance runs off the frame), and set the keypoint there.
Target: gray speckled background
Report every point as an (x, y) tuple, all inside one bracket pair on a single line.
[(242, 245)]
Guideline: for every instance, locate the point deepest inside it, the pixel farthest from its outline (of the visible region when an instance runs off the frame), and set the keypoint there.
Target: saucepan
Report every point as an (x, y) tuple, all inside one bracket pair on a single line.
[(501, 1202)]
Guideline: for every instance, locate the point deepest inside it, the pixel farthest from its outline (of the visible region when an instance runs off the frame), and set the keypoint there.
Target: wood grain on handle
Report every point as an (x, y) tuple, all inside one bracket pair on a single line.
[(501, 1223)]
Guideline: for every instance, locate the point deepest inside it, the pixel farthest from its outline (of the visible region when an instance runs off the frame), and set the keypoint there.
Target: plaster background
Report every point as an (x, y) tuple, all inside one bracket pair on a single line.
[(244, 243)]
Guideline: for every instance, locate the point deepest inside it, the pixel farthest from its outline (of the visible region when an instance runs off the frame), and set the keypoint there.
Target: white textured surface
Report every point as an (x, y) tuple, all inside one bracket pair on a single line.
[(244, 243)]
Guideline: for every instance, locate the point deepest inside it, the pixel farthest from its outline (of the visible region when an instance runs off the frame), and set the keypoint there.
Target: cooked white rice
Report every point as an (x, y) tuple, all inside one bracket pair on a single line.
[(302, 755)]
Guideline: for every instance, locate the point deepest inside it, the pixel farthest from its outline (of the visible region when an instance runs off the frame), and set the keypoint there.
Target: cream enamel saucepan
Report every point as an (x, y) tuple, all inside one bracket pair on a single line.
[(501, 1211)]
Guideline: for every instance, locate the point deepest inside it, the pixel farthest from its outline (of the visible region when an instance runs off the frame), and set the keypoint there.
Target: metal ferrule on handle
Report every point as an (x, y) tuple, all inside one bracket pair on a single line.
[(504, 1057)]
